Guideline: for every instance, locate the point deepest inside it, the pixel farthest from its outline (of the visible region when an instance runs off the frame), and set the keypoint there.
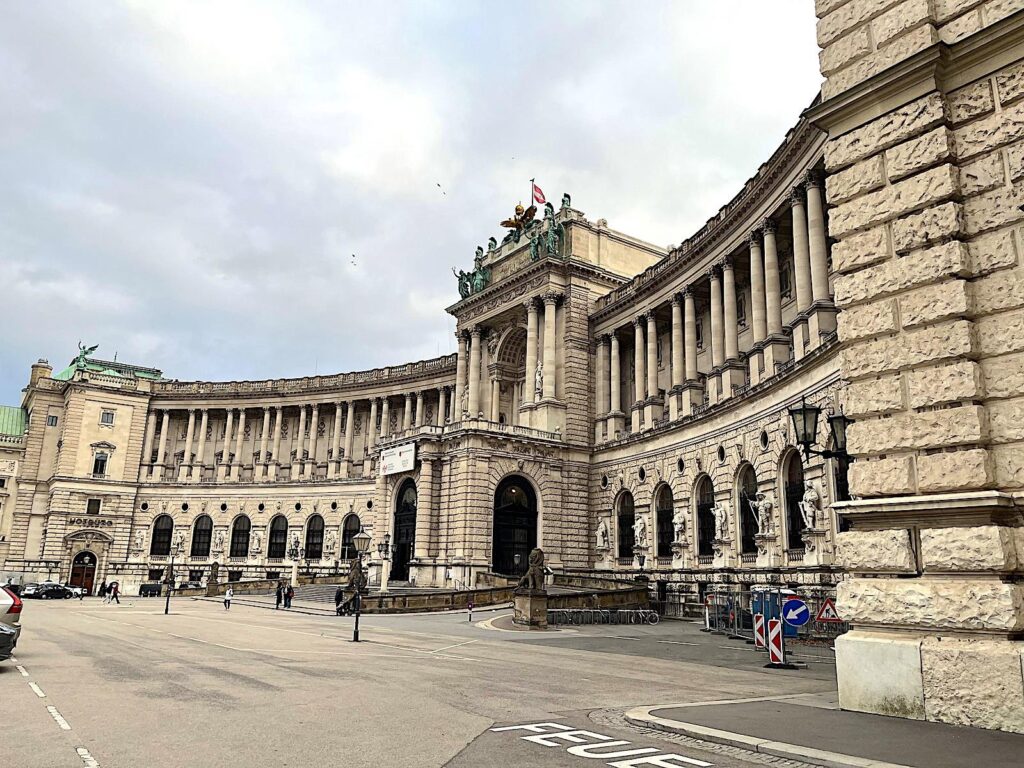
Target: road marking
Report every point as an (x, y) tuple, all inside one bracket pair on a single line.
[(676, 642), (64, 725), (457, 645), (14, 660), (88, 760), (24, 672), (38, 690), (624, 637)]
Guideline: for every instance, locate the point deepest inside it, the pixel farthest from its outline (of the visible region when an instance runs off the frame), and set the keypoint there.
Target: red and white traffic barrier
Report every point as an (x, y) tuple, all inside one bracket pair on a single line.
[(776, 652), (759, 638)]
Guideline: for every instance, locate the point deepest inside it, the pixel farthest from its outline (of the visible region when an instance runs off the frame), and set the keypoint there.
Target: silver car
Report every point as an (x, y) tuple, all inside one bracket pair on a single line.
[(10, 612)]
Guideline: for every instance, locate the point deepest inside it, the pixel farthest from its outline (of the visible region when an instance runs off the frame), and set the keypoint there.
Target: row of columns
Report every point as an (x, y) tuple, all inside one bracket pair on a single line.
[(268, 460), (772, 344)]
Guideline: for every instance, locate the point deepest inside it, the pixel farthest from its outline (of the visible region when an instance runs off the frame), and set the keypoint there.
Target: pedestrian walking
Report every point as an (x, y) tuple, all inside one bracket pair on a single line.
[(103, 590), (227, 598), (279, 596), (115, 590), (288, 595), (339, 596)]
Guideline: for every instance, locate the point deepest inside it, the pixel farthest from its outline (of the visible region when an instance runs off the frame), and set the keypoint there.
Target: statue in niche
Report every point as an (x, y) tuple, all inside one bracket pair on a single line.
[(330, 542), (538, 386), (761, 507), (257, 543), (140, 542), (640, 532), (808, 505), (533, 579), (178, 542), (218, 541), (679, 525), (721, 513), (603, 536)]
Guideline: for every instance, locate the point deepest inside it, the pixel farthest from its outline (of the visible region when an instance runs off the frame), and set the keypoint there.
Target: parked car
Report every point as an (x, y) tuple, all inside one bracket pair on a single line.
[(190, 585), (76, 591), (30, 589), (8, 639), (53, 592), (15, 588), (151, 589), (10, 612)]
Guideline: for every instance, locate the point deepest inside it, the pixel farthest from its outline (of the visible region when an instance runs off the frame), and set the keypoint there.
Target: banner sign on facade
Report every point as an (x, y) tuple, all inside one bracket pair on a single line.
[(401, 458)]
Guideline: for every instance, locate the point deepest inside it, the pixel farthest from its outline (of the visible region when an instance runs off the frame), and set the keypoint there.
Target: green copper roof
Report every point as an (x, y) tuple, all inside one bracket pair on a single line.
[(12, 420), (110, 368)]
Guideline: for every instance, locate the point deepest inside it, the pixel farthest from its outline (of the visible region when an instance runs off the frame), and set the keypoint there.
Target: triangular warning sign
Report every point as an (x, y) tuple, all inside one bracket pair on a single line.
[(828, 613)]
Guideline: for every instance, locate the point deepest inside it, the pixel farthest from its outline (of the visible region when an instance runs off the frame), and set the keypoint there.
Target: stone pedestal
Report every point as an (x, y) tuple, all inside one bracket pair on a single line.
[(724, 556), (776, 352), (800, 347), (654, 410), (734, 376), (549, 415), (755, 365), (767, 550), (816, 548), (531, 608), (680, 554), (820, 320), (616, 425), (692, 395)]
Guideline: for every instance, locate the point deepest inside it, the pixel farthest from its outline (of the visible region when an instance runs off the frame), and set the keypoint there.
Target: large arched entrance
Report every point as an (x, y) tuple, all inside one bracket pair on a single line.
[(515, 525), (83, 570), (404, 538)]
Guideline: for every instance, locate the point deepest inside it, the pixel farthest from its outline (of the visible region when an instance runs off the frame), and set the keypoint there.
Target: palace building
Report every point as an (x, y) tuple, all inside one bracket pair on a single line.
[(628, 409)]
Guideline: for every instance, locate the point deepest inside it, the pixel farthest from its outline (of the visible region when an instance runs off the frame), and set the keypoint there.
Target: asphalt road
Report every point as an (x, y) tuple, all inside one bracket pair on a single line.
[(102, 685)]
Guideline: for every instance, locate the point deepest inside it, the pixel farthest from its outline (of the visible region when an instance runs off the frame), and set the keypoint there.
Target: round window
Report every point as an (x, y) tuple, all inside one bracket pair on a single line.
[(298, 506), (334, 505), (145, 506), (369, 504), (642, 474), (764, 440), (604, 481), (223, 507), (721, 454), (184, 507), (261, 507), (680, 466)]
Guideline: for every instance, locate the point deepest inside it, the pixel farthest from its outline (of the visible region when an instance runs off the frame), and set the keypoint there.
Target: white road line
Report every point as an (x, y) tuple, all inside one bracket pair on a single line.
[(87, 760), (676, 642), (38, 690), (622, 637), (24, 672), (14, 660), (457, 645), (64, 725)]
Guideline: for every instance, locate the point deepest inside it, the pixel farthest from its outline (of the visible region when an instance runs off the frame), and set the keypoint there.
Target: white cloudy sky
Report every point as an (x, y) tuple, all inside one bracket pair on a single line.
[(185, 183)]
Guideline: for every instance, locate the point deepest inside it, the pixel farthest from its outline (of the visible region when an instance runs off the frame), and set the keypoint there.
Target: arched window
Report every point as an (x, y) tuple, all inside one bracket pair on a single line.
[(666, 534), (349, 529), (202, 533), (278, 541), (240, 536), (705, 517), (315, 538), (794, 493), (160, 546), (747, 492), (626, 517)]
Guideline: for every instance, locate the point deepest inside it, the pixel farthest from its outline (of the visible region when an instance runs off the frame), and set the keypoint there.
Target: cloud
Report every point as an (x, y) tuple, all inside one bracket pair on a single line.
[(186, 183)]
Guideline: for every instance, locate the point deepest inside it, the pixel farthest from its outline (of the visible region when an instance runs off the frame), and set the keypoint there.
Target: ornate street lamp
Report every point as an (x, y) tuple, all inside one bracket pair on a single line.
[(175, 550), (362, 544), (384, 551), (805, 424)]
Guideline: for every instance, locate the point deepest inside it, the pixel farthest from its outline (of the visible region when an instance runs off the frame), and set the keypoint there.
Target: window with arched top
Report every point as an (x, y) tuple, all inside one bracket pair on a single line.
[(663, 506), (202, 534), (705, 517), (746, 492), (315, 538), (625, 516), (349, 529), (793, 477), (240, 530), (160, 544), (277, 541)]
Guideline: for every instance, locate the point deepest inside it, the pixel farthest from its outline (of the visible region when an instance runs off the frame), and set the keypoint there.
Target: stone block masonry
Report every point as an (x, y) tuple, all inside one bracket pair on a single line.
[(926, 198)]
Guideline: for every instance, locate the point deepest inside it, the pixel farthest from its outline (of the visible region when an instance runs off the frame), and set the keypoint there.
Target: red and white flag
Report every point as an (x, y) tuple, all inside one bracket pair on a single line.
[(538, 194)]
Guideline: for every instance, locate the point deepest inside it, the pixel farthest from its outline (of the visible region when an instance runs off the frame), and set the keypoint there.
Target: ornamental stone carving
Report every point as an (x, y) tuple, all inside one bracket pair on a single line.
[(257, 544), (603, 537), (809, 505), (640, 532), (761, 507)]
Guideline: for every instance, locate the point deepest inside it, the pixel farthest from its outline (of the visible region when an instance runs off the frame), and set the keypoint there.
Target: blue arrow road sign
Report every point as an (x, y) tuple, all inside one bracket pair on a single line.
[(795, 612)]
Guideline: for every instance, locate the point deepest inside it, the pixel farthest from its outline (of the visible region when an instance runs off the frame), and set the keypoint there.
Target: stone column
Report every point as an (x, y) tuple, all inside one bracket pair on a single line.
[(186, 462), (225, 459), (147, 445), (300, 439), (732, 330), (407, 413), (758, 314), (677, 373), (460, 378), (239, 461), (802, 268), (550, 364), (314, 425), (531, 349), (276, 454), (653, 409), (442, 406), (420, 421), (260, 471), (424, 519), (474, 372), (161, 448), (776, 349), (204, 423), (616, 418), (350, 436), (335, 462), (371, 427), (693, 392), (601, 389), (495, 399), (639, 374), (823, 316), (717, 320), (385, 417)]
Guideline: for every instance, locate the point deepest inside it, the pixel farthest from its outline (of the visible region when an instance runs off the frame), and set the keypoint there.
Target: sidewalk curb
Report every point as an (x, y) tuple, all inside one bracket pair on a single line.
[(642, 717)]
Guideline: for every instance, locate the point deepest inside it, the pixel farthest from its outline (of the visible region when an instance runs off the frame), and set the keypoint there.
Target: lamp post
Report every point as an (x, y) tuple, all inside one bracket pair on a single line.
[(362, 543), (805, 424), (384, 550), (641, 557), (175, 550)]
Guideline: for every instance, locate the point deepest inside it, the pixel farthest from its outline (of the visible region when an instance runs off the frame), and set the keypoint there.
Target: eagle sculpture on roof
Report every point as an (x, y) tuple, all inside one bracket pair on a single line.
[(522, 218)]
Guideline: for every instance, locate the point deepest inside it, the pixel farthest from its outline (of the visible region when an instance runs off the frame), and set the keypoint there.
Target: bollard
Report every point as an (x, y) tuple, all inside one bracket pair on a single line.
[(469, 605)]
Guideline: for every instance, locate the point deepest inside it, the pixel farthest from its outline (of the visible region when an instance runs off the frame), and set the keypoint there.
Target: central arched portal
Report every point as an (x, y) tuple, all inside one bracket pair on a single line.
[(515, 525), (405, 531), (83, 571)]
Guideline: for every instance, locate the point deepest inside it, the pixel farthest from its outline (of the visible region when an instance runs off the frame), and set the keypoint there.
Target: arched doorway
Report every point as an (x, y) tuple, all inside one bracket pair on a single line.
[(83, 570), (705, 517), (666, 534), (404, 538), (625, 517), (794, 494), (515, 525), (746, 488)]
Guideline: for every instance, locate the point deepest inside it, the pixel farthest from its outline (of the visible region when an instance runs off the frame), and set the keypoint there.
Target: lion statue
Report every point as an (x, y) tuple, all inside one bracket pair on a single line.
[(533, 579)]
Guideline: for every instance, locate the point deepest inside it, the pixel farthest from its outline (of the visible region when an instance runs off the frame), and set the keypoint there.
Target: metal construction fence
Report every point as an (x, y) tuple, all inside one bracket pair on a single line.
[(579, 616), (731, 611)]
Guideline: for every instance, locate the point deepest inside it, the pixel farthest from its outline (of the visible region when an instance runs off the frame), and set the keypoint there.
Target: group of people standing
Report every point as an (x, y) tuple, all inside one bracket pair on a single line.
[(110, 592), (284, 594)]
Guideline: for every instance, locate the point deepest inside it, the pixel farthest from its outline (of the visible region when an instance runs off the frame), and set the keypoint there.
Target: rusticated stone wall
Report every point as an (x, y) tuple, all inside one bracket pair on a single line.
[(924, 107)]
